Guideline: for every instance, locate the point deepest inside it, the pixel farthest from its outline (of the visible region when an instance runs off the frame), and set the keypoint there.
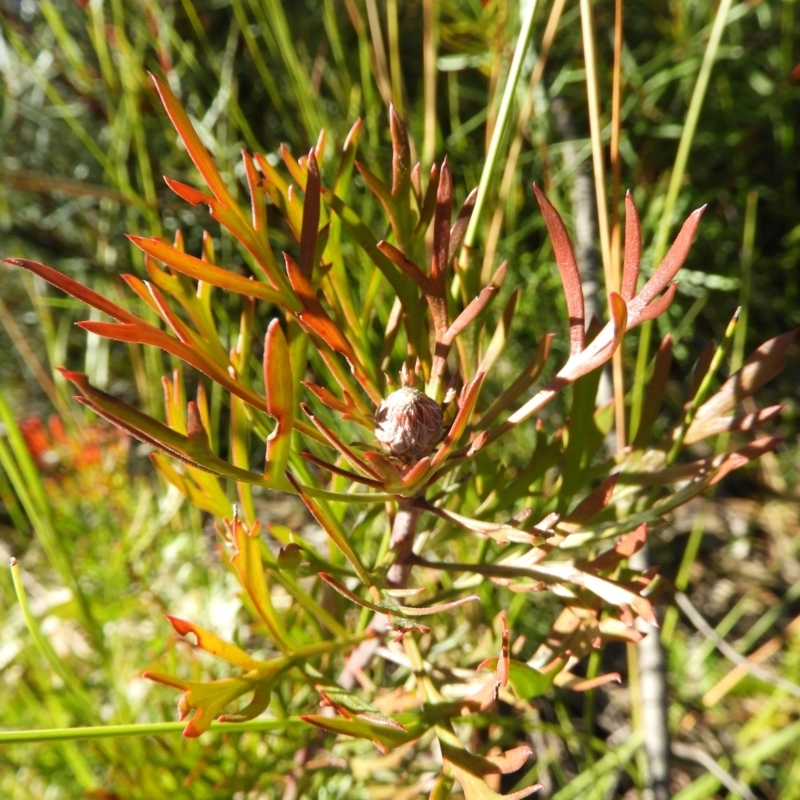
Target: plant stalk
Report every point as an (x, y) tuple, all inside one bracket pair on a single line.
[(404, 530), (146, 729)]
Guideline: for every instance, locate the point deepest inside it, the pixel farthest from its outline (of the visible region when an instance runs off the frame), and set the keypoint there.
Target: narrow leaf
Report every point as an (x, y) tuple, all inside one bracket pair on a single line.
[(466, 407), (671, 263), (76, 290), (201, 270), (408, 267), (314, 315), (308, 236), (401, 155), (633, 249), (247, 562), (441, 230), (568, 268), (476, 306), (384, 737), (211, 643), (279, 388), (762, 366), (594, 503), (335, 442), (654, 395), (331, 527), (191, 140), (743, 422), (459, 228)]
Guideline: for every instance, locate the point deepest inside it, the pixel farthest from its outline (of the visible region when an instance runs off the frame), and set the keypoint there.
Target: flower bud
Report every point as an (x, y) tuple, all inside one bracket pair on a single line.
[(409, 424)]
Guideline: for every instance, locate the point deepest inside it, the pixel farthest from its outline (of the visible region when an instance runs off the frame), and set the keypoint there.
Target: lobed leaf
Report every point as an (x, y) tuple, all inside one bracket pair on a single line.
[(206, 699), (211, 643)]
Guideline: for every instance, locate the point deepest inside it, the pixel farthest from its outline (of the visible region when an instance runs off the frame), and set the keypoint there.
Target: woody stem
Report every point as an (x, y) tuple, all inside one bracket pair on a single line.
[(401, 541)]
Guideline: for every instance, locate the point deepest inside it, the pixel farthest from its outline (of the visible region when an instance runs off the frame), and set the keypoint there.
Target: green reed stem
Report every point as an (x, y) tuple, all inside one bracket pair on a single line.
[(144, 729), (705, 386), (675, 182), (498, 134)]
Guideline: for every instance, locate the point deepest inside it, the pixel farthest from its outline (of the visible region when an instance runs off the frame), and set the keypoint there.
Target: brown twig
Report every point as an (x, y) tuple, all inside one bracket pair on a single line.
[(401, 541)]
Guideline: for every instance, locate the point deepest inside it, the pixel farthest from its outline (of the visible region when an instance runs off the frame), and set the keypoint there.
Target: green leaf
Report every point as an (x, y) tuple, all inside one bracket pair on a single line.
[(206, 699), (155, 433), (311, 214), (279, 388), (211, 643), (529, 682), (247, 562), (331, 526), (385, 737)]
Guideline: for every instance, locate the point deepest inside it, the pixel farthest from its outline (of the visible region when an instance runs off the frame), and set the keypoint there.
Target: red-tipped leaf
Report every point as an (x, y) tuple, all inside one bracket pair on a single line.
[(568, 268)]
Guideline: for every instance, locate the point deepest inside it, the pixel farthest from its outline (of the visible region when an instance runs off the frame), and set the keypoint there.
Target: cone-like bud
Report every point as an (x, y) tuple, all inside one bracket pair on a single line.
[(409, 424)]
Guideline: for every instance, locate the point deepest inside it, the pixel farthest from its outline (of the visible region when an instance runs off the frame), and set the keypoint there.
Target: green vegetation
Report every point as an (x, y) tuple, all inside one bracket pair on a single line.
[(267, 301)]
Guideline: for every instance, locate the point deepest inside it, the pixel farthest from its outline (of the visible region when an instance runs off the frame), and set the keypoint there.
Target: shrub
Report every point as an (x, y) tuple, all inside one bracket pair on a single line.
[(443, 511)]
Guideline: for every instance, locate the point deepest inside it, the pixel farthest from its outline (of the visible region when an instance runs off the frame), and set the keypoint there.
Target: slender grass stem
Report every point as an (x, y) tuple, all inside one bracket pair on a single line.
[(675, 182), (142, 729), (430, 45), (596, 134), (381, 65), (498, 134), (616, 228), (705, 386), (393, 35), (748, 243), (45, 648), (510, 171)]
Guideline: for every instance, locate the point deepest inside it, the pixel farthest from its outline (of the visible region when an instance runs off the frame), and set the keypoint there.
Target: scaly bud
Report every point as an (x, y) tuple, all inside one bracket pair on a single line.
[(409, 424)]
